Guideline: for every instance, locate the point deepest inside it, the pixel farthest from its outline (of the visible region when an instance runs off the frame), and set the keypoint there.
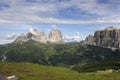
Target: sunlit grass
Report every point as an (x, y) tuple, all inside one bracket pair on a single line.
[(29, 71)]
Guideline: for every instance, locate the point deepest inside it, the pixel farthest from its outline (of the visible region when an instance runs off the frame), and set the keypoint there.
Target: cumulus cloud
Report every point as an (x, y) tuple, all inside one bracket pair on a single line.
[(1, 42), (33, 31), (5, 42), (7, 37), (44, 11), (72, 38)]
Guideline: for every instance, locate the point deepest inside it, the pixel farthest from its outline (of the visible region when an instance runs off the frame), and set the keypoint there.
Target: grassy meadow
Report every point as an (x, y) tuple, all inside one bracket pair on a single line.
[(30, 71)]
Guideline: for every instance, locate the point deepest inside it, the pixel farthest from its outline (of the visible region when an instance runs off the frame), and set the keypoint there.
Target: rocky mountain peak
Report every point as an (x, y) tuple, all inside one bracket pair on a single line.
[(90, 40), (109, 37), (55, 36), (33, 31), (111, 28), (43, 37)]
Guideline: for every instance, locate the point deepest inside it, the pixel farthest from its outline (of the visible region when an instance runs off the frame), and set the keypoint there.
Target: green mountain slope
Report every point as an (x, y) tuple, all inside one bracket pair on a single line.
[(65, 55), (29, 71)]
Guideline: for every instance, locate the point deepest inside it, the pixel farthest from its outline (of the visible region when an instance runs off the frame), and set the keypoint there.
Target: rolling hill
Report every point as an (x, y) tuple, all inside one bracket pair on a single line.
[(30, 71)]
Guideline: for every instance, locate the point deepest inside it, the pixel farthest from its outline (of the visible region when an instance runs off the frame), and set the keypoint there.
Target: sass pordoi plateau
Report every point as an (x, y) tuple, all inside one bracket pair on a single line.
[(37, 56)]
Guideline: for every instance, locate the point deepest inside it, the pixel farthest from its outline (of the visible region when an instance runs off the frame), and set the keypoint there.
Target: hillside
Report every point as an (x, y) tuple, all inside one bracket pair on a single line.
[(98, 67), (29, 71), (65, 55)]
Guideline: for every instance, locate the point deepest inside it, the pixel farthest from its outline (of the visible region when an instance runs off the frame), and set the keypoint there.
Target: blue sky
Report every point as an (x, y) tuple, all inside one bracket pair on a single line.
[(75, 18)]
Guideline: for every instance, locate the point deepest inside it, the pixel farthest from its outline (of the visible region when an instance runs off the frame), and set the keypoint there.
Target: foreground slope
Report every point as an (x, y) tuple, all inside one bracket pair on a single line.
[(29, 71), (99, 66)]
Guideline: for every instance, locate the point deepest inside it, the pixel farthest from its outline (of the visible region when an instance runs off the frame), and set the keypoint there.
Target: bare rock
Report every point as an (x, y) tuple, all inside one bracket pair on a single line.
[(12, 78), (21, 38), (55, 36), (8, 78), (43, 37), (109, 37), (90, 40)]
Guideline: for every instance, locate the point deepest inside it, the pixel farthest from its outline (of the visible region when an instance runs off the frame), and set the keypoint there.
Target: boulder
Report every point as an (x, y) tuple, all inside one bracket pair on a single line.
[(12, 78)]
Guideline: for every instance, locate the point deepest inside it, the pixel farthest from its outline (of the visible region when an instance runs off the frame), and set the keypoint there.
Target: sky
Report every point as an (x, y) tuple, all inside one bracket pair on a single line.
[(75, 18)]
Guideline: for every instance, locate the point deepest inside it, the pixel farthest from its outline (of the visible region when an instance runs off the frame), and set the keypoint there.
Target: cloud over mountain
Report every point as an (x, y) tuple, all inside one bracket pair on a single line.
[(7, 37), (18, 15)]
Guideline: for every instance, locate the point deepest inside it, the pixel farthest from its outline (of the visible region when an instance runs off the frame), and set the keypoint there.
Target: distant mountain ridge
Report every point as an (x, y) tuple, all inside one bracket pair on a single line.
[(55, 36), (109, 37)]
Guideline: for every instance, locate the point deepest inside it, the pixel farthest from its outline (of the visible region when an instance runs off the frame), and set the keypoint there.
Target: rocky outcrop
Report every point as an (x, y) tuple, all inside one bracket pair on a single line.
[(8, 78), (109, 37), (21, 38), (55, 36), (12, 78), (90, 40), (43, 37)]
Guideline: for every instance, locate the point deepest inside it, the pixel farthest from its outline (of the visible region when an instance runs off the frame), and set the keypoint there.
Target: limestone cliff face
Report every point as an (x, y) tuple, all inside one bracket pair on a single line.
[(109, 37), (55, 36), (21, 38), (43, 37), (90, 40)]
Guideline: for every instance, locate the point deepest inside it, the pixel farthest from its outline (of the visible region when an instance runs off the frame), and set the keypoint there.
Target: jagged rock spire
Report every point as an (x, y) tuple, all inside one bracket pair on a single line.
[(55, 36)]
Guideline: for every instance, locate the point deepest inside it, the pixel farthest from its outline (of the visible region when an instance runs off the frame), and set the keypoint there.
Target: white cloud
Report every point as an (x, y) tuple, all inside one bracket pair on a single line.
[(23, 12), (93, 21), (6, 42), (1, 42), (33, 31), (38, 20), (72, 38), (7, 37)]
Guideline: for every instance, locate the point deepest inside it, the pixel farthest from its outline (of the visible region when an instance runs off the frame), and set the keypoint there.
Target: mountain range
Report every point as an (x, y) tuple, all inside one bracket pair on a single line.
[(37, 47), (54, 36), (108, 37)]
